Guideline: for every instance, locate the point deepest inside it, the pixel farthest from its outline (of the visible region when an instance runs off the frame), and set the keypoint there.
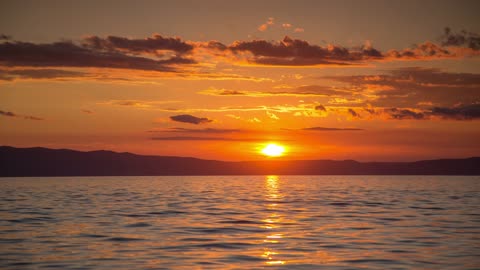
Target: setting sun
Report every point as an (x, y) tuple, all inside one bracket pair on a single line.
[(273, 150)]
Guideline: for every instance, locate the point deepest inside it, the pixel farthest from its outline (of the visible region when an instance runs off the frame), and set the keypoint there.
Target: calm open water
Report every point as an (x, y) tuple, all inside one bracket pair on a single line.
[(240, 222)]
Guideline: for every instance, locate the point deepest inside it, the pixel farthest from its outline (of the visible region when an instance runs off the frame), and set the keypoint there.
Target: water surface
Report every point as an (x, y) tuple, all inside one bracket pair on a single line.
[(240, 222)]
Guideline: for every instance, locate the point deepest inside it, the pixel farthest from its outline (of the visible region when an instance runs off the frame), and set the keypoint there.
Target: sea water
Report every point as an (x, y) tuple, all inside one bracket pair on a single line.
[(240, 222)]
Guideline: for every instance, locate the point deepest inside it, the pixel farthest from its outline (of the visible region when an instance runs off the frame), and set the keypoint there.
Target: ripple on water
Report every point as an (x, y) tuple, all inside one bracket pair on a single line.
[(241, 222)]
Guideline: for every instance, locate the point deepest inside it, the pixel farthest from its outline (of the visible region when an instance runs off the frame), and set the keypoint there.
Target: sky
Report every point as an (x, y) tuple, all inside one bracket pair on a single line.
[(362, 80)]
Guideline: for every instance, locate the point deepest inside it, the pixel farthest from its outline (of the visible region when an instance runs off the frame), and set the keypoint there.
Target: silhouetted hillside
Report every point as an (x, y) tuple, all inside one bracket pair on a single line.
[(62, 162)]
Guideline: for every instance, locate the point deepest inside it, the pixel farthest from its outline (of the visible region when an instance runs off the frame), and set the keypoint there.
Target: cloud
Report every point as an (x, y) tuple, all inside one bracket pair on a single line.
[(10, 75), (299, 30), (464, 112), (409, 87), (154, 45), (87, 111), (10, 114), (452, 45), (195, 138), (272, 115), (205, 130), (458, 112), (69, 54), (320, 108), (190, 119), (331, 129), (400, 114), (182, 138), (423, 51), (464, 39), (353, 113), (143, 104), (265, 26), (5, 37), (286, 25), (177, 58), (307, 90), (295, 52), (26, 117)]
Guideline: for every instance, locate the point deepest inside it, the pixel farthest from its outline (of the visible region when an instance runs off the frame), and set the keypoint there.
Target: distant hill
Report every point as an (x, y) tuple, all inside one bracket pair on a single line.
[(62, 162)]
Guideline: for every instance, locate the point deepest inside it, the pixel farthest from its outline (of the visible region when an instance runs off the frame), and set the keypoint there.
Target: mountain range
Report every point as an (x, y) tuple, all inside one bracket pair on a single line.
[(37, 161)]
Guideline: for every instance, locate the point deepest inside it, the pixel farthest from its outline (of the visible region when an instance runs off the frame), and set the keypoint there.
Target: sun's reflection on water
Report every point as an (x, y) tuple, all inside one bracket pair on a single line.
[(272, 221)]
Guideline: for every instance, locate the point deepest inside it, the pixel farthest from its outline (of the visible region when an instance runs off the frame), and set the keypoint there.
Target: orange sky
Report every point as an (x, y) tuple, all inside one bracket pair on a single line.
[(220, 80)]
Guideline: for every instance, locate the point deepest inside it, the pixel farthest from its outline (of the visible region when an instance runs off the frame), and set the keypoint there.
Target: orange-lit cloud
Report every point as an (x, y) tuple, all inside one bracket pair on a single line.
[(331, 129), (174, 57), (266, 25), (408, 87)]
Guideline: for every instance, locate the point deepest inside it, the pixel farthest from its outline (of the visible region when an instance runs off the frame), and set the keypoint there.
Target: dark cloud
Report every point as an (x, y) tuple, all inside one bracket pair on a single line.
[(353, 113), (10, 75), (167, 54), (370, 110), (296, 52), (461, 112), (401, 114), (331, 129), (465, 112), (205, 130), (320, 108), (87, 111), (27, 117), (464, 38), (299, 52), (186, 118), (152, 44), (68, 54), (11, 114), (5, 37)]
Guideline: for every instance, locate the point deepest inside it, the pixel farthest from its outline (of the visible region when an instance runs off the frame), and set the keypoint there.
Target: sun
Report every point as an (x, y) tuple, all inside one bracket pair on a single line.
[(273, 150)]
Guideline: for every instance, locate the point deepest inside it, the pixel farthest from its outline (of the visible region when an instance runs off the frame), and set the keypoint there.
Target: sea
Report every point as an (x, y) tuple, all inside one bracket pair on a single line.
[(240, 222)]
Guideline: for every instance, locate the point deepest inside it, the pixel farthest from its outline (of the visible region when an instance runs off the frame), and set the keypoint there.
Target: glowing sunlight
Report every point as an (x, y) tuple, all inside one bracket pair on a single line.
[(273, 150)]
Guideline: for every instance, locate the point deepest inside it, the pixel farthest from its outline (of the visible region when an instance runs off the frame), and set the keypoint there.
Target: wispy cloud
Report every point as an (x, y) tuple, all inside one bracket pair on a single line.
[(193, 138), (301, 91), (16, 74), (143, 104), (156, 44), (203, 131), (409, 87), (331, 129), (26, 117), (263, 27)]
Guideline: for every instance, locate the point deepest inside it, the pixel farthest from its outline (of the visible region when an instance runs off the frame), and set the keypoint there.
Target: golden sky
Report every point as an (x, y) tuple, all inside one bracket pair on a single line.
[(363, 80)]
